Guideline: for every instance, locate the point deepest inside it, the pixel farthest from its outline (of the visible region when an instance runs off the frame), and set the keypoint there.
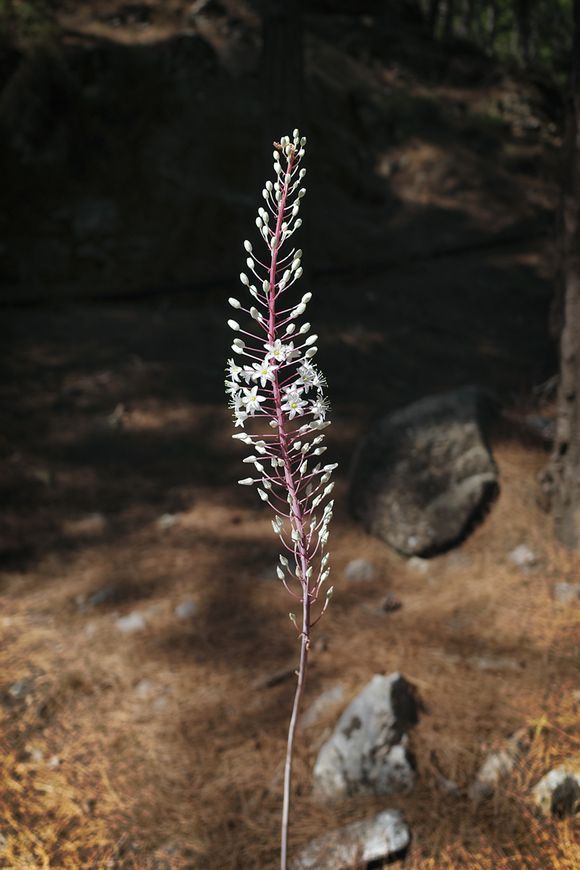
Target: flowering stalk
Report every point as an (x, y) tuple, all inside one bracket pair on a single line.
[(277, 384)]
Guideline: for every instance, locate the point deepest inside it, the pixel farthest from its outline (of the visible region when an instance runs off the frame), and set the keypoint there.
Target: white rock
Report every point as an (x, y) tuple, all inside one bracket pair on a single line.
[(558, 792), (320, 705), (418, 565), (144, 688), (186, 609), (498, 765), (566, 592), (523, 556), (167, 521), (89, 526), (131, 623), (377, 839), (367, 753), (360, 571)]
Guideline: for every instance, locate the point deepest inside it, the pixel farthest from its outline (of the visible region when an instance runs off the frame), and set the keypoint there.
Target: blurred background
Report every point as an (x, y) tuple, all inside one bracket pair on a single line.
[(146, 654)]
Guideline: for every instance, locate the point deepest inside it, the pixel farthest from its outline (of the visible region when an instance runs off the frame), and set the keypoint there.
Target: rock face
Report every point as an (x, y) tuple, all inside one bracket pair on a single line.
[(558, 792), (377, 839), (367, 753), (424, 473)]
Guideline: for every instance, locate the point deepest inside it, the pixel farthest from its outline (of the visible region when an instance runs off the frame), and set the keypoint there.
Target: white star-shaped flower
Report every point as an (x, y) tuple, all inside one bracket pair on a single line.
[(234, 370), (293, 402), (251, 400), (232, 387), (309, 376), (263, 371), (279, 351), (320, 408)]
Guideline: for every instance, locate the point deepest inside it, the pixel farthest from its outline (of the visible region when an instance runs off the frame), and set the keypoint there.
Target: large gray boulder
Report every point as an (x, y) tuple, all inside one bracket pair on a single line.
[(378, 839), (367, 753), (424, 473), (558, 792)]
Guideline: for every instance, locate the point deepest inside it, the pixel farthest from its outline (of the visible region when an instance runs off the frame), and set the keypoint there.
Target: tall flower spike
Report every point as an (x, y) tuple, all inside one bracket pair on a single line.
[(276, 389)]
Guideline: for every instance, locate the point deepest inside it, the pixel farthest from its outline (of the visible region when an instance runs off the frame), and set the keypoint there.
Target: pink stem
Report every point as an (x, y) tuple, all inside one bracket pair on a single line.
[(296, 510)]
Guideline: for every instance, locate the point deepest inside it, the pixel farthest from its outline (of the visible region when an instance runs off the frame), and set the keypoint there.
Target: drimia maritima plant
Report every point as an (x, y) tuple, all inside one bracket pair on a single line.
[(274, 383)]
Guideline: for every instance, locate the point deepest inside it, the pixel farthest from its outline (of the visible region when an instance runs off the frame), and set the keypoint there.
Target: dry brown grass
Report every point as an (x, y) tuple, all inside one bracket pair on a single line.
[(187, 768)]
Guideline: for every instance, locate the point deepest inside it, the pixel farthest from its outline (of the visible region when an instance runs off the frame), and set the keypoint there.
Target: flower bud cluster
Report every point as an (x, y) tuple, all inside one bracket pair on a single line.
[(272, 379)]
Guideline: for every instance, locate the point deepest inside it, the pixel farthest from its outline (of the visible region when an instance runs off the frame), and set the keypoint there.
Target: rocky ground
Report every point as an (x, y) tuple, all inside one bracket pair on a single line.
[(146, 659)]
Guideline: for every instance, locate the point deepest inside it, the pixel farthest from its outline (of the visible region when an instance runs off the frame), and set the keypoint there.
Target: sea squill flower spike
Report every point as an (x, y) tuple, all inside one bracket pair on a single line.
[(276, 389)]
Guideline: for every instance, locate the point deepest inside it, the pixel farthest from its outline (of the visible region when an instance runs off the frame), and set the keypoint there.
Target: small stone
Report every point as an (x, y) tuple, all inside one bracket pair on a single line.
[(95, 599), (36, 755), (390, 603), (558, 792), (186, 609), (378, 839), (21, 689), (53, 762), (566, 592), (499, 764), (418, 565), (167, 521), (131, 623), (496, 766), (321, 705), (494, 663), (90, 526), (144, 688), (359, 571), (523, 556)]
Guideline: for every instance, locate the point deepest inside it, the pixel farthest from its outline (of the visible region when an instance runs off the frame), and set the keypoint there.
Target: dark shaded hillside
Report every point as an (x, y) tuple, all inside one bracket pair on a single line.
[(132, 148)]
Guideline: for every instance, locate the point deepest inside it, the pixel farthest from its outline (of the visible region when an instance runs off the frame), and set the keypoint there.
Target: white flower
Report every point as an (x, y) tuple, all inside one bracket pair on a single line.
[(278, 350), (232, 388), (293, 403), (252, 400), (234, 370), (320, 408), (263, 371), (309, 376)]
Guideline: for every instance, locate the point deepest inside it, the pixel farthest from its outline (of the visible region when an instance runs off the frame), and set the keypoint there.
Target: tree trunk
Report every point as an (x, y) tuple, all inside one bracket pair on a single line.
[(562, 477)]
